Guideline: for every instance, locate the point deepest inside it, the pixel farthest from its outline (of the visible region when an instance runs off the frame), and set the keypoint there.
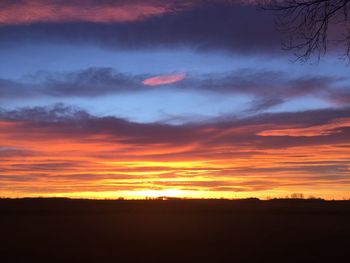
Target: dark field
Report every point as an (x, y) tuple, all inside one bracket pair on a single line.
[(63, 230)]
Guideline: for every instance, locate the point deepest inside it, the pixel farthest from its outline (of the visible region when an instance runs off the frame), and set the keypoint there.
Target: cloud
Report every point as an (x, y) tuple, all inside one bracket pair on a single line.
[(38, 11), (164, 79), (255, 90), (267, 88), (265, 82), (8, 152), (70, 122), (216, 25), (318, 130), (87, 83), (76, 150), (97, 11), (14, 89), (340, 97)]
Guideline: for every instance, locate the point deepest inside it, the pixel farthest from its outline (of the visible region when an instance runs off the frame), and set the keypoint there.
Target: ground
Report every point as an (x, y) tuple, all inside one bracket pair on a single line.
[(63, 230)]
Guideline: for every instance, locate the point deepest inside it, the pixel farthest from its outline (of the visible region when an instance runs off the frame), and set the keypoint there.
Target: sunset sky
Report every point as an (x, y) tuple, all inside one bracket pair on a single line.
[(108, 99)]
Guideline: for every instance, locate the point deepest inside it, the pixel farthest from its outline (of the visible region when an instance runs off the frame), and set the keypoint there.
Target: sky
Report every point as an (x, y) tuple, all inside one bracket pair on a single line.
[(135, 99)]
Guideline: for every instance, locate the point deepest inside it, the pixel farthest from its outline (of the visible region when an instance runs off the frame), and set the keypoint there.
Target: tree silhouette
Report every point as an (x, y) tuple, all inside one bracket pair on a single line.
[(297, 196), (312, 25)]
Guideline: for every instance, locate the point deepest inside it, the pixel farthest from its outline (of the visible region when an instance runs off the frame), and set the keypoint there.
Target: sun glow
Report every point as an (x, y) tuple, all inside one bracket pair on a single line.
[(54, 162), (159, 193)]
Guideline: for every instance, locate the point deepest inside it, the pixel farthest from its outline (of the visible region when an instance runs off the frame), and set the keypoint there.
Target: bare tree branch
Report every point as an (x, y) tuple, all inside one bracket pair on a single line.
[(310, 25)]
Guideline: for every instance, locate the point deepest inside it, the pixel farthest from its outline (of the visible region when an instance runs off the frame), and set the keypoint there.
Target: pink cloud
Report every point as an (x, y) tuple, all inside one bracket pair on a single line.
[(118, 11), (37, 11), (316, 130), (164, 80)]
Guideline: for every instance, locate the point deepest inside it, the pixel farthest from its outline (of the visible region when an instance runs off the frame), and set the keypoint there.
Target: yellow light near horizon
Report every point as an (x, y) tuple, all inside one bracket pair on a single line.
[(168, 164), (159, 193), (93, 167)]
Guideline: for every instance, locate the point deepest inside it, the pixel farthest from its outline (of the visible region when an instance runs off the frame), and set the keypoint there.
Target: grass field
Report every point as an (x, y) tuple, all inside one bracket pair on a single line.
[(64, 230)]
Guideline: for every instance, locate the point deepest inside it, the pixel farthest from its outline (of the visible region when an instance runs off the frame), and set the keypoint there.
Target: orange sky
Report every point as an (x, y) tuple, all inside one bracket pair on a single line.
[(81, 158)]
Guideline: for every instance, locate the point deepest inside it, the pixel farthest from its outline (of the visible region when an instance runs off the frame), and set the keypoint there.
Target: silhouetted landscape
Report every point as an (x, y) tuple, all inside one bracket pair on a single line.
[(248, 230)]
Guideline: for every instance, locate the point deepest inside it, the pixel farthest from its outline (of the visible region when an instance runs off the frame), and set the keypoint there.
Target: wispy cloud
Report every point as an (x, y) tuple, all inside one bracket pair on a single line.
[(213, 25), (265, 88), (164, 79), (75, 150), (39, 11), (334, 126)]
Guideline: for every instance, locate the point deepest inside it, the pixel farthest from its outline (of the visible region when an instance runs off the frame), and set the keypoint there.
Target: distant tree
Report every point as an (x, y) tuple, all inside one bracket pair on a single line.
[(297, 196), (312, 25)]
